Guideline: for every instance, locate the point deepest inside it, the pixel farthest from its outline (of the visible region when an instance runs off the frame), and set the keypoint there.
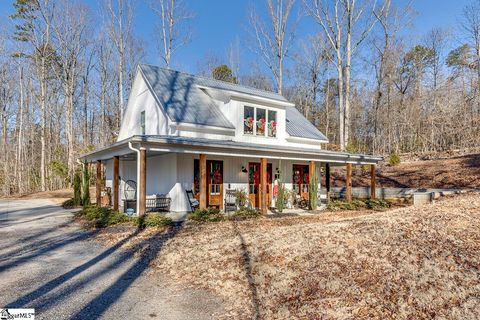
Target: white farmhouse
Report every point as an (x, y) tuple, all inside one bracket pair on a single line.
[(185, 133)]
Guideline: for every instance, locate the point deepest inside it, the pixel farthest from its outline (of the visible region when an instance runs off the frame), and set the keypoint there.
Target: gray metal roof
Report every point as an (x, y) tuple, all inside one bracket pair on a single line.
[(229, 146), (183, 101), (298, 126)]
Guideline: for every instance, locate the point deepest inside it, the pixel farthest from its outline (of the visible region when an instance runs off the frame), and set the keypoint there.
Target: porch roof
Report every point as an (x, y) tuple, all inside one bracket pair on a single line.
[(171, 144)]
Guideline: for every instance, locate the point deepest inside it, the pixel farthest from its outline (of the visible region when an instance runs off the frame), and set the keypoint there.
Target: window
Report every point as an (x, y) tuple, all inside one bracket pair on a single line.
[(142, 122), (260, 121), (248, 119), (272, 123)]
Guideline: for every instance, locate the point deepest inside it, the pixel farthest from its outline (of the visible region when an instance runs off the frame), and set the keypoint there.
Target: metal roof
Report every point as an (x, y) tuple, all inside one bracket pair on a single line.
[(230, 145), (180, 94), (298, 126), (183, 101)]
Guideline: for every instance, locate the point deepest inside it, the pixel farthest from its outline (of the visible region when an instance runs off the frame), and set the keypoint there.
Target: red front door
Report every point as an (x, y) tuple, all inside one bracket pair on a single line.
[(254, 183)]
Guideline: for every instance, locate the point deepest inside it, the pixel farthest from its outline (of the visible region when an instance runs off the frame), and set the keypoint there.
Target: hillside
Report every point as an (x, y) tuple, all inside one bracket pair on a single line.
[(455, 172)]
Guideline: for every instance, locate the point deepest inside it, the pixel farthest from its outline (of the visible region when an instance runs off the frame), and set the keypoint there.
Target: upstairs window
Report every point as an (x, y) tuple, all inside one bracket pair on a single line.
[(142, 122), (272, 123), (261, 121), (248, 120)]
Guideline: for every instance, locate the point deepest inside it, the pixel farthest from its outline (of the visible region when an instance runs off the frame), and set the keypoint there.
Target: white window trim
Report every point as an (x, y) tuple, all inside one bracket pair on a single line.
[(254, 134)]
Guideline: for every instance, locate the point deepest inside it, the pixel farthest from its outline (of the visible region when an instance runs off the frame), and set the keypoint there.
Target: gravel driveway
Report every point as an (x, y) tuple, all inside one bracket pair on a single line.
[(49, 263)]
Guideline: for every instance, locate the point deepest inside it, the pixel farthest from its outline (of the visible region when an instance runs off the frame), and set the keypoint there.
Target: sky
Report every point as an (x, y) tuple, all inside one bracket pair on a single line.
[(218, 23)]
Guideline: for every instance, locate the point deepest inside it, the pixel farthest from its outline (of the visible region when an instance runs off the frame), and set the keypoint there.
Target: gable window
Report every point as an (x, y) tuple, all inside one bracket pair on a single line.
[(248, 120), (272, 123), (142, 122)]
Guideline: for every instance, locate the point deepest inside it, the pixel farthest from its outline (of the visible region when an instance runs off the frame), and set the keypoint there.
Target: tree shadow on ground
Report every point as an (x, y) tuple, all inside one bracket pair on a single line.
[(247, 266), (100, 303)]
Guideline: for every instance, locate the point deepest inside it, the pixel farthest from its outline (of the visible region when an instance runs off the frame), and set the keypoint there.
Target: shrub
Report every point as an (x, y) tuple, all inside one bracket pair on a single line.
[(77, 190), (86, 186), (372, 204), (69, 204), (102, 217), (394, 159), (245, 213), (240, 197), (210, 215), (152, 220), (280, 201), (376, 204)]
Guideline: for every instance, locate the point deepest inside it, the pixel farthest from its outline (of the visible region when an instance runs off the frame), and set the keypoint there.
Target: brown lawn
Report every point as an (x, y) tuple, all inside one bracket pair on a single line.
[(407, 263)]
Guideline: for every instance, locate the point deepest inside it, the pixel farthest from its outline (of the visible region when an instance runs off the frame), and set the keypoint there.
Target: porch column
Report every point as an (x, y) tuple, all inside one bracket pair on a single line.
[(98, 184), (348, 182), (311, 175), (327, 177), (263, 185), (373, 182), (116, 164), (142, 208), (203, 181)]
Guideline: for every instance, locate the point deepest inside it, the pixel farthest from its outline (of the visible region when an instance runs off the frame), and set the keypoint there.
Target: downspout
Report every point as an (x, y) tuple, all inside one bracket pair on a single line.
[(130, 146)]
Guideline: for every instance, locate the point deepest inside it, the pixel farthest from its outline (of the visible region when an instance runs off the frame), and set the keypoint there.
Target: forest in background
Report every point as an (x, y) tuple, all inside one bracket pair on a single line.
[(65, 75)]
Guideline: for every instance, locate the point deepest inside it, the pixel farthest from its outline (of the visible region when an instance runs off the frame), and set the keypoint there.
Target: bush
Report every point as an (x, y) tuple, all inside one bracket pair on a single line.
[(77, 190), (103, 217), (245, 213), (280, 201), (86, 186), (394, 159), (372, 204), (152, 220), (313, 192), (207, 215), (69, 204)]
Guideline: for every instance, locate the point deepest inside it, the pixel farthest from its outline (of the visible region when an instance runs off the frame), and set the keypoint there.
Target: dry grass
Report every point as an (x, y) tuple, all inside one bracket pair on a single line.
[(409, 263)]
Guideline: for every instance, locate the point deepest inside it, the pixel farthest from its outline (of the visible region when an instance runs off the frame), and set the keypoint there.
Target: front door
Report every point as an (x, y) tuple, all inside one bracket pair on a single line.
[(254, 184), (301, 180), (215, 183)]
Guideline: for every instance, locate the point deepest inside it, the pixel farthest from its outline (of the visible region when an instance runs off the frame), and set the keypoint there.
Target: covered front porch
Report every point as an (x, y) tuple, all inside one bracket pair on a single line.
[(157, 167)]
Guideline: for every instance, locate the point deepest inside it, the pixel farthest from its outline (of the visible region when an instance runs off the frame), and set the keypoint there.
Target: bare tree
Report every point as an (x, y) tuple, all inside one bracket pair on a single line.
[(346, 24), (119, 26), (274, 39), (71, 42), (172, 29)]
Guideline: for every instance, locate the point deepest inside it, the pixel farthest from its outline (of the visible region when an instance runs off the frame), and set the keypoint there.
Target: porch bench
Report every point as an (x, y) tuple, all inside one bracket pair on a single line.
[(158, 203)]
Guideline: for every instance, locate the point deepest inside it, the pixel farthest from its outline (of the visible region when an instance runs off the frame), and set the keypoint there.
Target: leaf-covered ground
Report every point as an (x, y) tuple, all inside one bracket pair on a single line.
[(408, 263)]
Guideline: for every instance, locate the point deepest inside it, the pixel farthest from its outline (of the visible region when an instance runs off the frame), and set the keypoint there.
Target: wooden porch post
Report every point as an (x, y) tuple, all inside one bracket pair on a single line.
[(116, 165), (203, 181), (98, 184), (142, 208), (263, 185), (348, 182), (373, 182)]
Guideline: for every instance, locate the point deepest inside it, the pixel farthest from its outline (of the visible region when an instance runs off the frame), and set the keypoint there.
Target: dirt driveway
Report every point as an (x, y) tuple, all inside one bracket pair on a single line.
[(49, 263)]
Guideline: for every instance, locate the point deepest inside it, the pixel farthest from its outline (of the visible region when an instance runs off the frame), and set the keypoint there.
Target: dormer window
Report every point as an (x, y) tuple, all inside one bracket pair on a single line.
[(259, 121)]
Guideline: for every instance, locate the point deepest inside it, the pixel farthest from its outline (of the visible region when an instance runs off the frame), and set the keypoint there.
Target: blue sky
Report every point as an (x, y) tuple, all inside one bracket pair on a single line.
[(219, 22)]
